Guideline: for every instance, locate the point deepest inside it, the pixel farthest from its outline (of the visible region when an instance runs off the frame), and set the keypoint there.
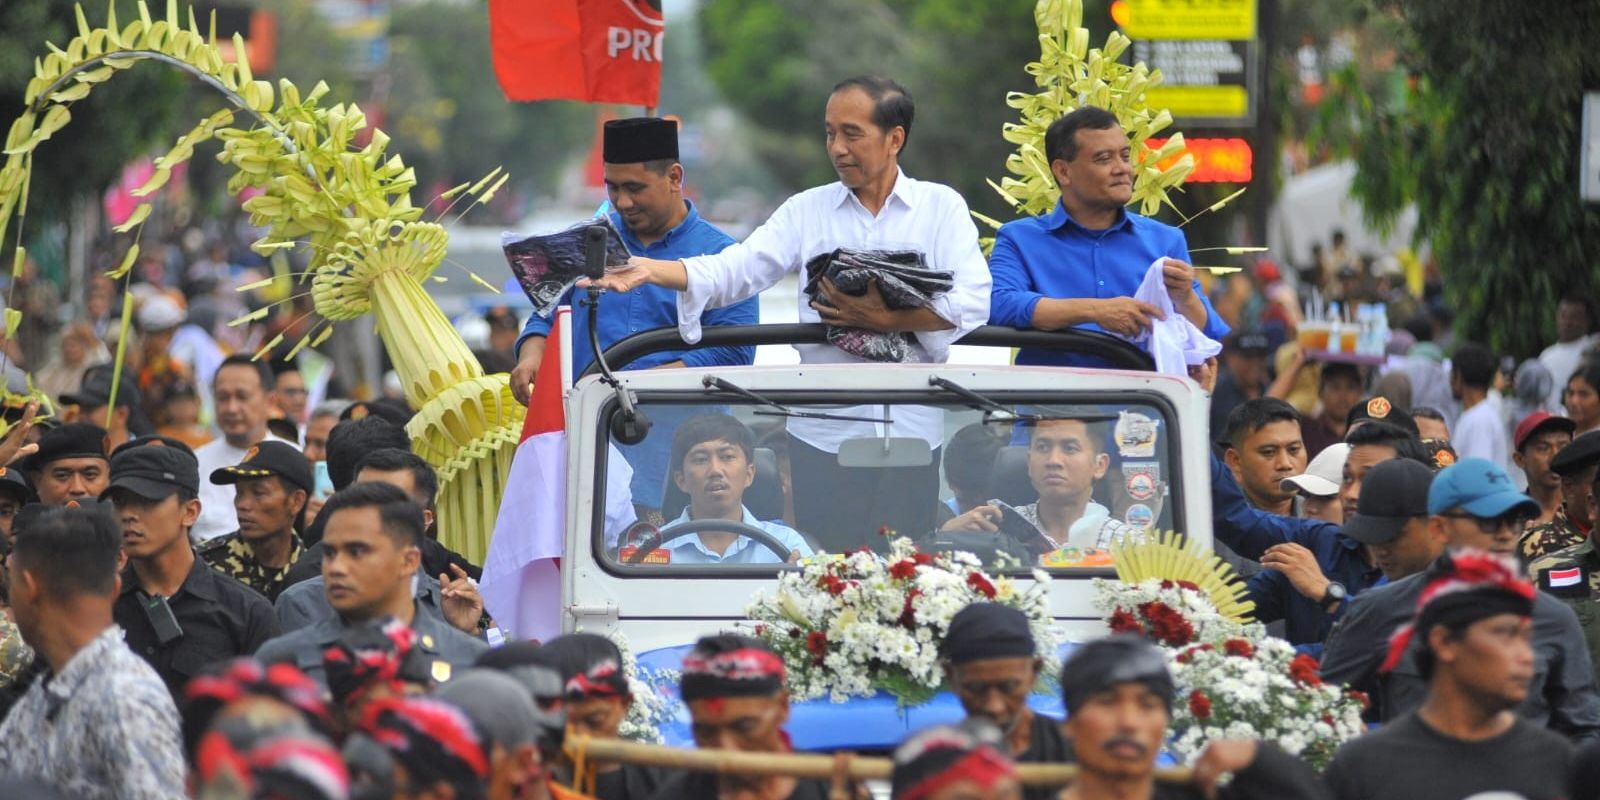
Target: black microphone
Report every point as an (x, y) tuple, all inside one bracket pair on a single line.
[(594, 251)]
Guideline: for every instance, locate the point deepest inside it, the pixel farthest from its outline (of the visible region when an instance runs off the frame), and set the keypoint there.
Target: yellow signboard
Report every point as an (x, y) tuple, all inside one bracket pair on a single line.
[(1201, 101), (1191, 19)]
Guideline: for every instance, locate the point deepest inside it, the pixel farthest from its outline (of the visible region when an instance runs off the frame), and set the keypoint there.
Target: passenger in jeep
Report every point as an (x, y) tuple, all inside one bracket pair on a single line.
[(1065, 458), (713, 462)]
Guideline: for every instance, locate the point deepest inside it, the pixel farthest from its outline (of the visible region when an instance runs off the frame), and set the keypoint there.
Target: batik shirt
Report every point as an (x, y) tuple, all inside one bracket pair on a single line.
[(104, 728), (1559, 533), (231, 556)]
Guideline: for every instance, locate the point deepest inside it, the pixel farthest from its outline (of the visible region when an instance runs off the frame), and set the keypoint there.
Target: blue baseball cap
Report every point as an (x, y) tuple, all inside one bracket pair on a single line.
[(1478, 487)]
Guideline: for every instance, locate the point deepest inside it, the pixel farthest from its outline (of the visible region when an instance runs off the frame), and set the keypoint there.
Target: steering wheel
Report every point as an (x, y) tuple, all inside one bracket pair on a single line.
[(687, 527)]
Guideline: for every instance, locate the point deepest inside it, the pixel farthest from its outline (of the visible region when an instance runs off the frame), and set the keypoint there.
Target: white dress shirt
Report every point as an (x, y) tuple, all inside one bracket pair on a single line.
[(930, 218)]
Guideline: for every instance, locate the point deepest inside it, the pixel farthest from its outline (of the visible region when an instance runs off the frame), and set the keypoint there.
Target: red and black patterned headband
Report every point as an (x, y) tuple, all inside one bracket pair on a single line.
[(280, 766), (371, 656), (742, 672), (433, 740), (933, 760), (210, 692), (604, 679), (1463, 587)]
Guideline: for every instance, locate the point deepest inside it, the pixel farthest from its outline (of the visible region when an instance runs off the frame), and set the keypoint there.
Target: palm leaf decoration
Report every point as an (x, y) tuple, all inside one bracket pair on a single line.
[(1171, 556), (347, 204)]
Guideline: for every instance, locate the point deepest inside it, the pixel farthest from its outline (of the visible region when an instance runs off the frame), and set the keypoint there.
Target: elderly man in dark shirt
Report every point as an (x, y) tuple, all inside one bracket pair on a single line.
[(1471, 504), (993, 664)]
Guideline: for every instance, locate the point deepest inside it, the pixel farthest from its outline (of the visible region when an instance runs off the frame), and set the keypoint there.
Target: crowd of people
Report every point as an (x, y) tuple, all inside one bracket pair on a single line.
[(222, 580)]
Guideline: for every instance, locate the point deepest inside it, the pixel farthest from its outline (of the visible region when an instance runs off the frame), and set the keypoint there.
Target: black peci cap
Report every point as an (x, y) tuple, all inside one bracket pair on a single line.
[(983, 631), (640, 139)]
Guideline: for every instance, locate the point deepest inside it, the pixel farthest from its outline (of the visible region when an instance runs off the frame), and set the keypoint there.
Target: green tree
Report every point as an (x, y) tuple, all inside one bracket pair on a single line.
[(108, 129), (448, 116), (1483, 135), (776, 60)]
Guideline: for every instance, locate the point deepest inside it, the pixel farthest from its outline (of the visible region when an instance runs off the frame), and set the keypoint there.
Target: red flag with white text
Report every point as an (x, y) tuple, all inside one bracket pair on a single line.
[(597, 51)]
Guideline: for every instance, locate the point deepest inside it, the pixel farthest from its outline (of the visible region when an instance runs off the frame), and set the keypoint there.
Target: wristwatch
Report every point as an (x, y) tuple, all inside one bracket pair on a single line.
[(1334, 595)]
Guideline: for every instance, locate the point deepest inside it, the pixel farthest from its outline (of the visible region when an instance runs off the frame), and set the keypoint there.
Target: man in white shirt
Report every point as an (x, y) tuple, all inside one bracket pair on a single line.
[(1479, 432), (242, 390), (1573, 337), (873, 206)]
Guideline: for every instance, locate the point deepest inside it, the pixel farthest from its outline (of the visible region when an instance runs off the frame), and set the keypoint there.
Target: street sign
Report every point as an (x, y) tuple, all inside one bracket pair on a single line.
[(1191, 19), (1228, 160), (1203, 81), (1589, 152)]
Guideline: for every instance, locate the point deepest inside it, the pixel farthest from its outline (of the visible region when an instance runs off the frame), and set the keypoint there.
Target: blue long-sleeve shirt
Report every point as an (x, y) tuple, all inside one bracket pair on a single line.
[(1249, 531), (624, 314), (1054, 257)]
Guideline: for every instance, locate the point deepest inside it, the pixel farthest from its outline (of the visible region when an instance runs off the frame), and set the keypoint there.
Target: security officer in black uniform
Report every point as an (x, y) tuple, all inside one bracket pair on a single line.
[(178, 613), (1573, 573), (273, 483)]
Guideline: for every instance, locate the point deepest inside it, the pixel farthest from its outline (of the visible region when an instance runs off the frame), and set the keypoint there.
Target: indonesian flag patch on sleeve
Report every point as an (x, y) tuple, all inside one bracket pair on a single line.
[(1565, 580)]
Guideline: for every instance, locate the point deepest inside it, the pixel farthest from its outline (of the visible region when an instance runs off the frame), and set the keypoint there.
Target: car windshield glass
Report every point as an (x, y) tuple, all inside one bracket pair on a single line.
[(735, 480)]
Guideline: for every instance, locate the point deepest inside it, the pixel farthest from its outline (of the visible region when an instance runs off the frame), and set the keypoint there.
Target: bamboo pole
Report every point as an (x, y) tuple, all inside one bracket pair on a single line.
[(797, 765)]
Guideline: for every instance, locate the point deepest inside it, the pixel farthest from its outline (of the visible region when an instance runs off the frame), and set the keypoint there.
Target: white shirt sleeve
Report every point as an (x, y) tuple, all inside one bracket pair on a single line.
[(954, 246), (741, 270)]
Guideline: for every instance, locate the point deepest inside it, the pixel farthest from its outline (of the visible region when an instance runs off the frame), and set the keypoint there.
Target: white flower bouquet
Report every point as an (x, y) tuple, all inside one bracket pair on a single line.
[(1233, 680), (853, 625), (653, 703)]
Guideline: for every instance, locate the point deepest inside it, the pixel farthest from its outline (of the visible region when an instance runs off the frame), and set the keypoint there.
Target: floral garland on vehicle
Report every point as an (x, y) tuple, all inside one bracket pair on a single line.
[(654, 703), (1233, 679), (857, 624)]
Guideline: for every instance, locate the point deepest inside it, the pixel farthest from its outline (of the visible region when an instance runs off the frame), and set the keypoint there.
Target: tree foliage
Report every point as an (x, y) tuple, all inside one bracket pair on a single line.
[(1483, 135), (448, 116), (108, 129), (776, 60)]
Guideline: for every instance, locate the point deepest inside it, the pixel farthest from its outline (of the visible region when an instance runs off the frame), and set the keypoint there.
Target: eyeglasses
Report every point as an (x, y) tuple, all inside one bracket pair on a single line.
[(1489, 526)]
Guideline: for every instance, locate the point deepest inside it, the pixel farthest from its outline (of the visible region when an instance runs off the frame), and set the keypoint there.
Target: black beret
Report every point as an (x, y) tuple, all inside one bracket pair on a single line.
[(1379, 408), (75, 440), (1583, 453), (988, 630)]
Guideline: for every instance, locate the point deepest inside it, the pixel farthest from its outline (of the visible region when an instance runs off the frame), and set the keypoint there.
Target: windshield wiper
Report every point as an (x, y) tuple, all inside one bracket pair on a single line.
[(714, 384), (999, 412)]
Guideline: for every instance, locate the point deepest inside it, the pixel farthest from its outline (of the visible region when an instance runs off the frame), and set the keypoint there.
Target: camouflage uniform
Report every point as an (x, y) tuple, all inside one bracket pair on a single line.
[(15, 655), (1554, 573), (231, 556), (1558, 534)]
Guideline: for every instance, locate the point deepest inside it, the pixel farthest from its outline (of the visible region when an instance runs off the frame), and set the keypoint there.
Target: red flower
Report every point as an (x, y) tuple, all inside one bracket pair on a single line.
[(761, 630), (1360, 697), (1303, 670), (922, 559), (1238, 647), (1199, 705), (794, 633), (1166, 584), (908, 614), (885, 531), (817, 643), (834, 584), (1123, 622), (905, 569), (1166, 625), (1327, 719), (981, 584), (1190, 585)]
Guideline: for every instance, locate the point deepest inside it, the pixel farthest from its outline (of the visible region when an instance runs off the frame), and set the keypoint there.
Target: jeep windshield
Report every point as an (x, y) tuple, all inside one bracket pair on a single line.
[(732, 480)]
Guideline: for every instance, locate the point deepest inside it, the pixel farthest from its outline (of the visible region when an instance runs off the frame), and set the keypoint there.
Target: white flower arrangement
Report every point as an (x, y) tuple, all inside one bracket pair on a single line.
[(1233, 679), (856, 624), (653, 705)]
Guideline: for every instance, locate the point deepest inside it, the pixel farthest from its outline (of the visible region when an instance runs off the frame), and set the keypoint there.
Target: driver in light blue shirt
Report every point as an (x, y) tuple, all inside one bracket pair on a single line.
[(713, 458)]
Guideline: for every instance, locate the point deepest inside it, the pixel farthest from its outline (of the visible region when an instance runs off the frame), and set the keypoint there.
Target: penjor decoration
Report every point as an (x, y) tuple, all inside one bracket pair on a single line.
[(347, 205)]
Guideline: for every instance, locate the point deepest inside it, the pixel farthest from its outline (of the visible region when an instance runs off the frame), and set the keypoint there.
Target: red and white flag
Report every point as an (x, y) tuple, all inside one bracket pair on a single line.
[(521, 584), (597, 51), (1565, 577)]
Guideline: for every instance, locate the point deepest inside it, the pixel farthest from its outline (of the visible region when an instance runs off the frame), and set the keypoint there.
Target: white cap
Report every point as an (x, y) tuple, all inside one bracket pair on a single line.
[(159, 312), (1323, 474)]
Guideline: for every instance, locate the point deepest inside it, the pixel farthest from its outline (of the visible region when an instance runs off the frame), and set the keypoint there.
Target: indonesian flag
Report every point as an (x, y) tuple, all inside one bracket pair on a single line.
[(521, 584), (597, 51), (1565, 577)]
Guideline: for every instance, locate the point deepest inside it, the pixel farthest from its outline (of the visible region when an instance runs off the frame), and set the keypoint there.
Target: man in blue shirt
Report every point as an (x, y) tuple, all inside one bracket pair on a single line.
[(644, 182), (713, 462), (1081, 264)]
